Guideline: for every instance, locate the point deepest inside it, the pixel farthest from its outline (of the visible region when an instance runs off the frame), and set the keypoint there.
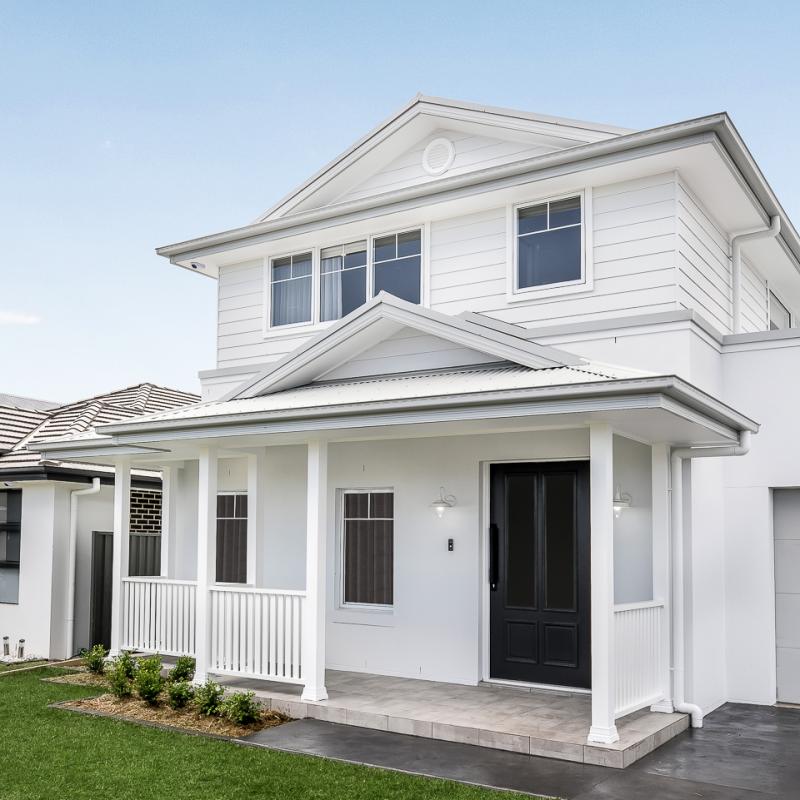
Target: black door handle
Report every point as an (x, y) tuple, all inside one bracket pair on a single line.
[(494, 555)]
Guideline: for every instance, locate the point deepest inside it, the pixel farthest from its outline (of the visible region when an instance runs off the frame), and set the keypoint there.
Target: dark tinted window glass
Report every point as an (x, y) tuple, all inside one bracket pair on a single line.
[(521, 549), (357, 259), (385, 248), (409, 244), (368, 548), (550, 257), (231, 564), (400, 278), (342, 292), (565, 212), (560, 541), (533, 219)]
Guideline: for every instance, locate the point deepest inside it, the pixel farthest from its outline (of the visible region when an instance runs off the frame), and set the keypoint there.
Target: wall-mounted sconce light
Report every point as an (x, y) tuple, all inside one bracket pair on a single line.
[(443, 502), (621, 501)]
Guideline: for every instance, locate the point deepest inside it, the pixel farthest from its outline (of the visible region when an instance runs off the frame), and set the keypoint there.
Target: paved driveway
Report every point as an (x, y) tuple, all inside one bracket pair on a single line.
[(741, 753)]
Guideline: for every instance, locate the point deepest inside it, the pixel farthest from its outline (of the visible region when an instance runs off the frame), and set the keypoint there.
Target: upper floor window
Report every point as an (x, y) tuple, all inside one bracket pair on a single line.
[(397, 265), (780, 318), (343, 280), (291, 283), (549, 244)]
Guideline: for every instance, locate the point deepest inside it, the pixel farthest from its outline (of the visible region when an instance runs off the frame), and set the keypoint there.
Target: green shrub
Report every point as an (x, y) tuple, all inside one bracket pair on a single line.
[(183, 670), (241, 708), (95, 659), (118, 676), (208, 698), (148, 681), (179, 693), (126, 663)]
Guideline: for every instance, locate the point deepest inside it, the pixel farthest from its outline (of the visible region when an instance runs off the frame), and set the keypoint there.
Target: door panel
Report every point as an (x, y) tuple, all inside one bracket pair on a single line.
[(539, 573), (102, 577)]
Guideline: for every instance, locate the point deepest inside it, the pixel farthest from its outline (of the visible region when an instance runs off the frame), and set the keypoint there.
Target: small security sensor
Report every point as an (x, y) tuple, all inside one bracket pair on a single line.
[(197, 265)]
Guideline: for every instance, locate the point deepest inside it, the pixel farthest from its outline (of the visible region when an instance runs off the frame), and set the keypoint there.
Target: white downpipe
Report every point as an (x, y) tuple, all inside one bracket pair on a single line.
[(676, 523), (69, 622), (736, 259)]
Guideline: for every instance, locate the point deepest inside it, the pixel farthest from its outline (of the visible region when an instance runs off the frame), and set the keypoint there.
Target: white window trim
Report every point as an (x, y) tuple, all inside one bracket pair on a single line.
[(792, 316), (293, 329), (514, 294), (358, 612), (268, 326)]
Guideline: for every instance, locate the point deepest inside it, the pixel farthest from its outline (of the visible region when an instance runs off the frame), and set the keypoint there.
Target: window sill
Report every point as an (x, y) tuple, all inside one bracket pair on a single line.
[(544, 292), (375, 617)]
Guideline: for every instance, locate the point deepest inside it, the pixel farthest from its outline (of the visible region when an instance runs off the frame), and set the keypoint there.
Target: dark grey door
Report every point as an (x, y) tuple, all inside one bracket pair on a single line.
[(539, 573), (102, 573)]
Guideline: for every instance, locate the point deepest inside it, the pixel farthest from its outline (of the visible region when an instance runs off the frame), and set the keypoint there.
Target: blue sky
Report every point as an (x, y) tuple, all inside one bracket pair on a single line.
[(124, 126)]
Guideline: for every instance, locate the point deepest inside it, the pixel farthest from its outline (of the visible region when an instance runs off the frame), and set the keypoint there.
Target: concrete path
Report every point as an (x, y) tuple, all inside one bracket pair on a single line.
[(742, 753)]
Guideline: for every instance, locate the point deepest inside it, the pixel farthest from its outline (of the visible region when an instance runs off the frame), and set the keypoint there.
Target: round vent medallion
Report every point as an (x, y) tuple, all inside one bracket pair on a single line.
[(438, 156)]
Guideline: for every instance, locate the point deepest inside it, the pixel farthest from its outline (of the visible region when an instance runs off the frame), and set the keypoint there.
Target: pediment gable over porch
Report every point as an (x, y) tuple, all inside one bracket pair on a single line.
[(391, 336)]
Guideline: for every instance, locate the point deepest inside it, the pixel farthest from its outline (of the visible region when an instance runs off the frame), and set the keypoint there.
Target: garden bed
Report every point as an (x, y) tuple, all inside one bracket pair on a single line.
[(79, 677), (187, 719)]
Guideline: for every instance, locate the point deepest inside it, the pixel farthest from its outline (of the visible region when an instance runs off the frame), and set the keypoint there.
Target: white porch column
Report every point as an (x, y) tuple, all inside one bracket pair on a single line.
[(206, 557), (121, 539), (313, 644), (601, 477), (169, 507), (256, 466), (660, 454)]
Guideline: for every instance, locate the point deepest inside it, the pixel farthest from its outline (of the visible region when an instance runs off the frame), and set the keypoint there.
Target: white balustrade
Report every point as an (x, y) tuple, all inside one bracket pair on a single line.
[(159, 615), (256, 632), (640, 672)]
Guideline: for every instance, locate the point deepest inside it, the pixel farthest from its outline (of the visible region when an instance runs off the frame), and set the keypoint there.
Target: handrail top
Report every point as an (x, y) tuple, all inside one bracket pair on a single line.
[(240, 589), (622, 607), (158, 579)]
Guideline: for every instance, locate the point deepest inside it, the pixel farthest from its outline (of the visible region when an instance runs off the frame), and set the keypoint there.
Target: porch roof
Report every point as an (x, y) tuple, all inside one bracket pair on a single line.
[(487, 393)]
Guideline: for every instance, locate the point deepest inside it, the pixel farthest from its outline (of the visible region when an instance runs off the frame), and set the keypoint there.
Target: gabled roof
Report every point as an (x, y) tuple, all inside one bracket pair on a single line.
[(561, 132), (383, 316), (22, 430)]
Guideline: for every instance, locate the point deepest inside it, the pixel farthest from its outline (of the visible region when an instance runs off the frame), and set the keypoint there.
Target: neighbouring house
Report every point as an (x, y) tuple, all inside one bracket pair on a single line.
[(56, 521), (501, 400)]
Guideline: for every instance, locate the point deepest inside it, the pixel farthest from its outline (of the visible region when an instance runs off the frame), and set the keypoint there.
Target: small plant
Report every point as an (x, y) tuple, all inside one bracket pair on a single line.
[(126, 663), (208, 698), (183, 670), (148, 681), (241, 708), (179, 694), (119, 678), (95, 659)]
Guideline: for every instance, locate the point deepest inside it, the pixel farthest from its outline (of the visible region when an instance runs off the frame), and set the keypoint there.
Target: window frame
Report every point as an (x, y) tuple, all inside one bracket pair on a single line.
[(268, 262), (515, 293), (368, 608), (289, 330), (6, 526), (792, 321)]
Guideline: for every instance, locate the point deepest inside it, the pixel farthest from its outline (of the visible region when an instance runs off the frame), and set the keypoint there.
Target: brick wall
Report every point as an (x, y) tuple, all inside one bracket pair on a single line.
[(145, 511)]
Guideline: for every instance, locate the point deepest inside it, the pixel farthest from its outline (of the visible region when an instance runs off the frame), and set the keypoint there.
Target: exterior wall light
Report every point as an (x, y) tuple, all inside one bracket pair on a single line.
[(443, 502), (621, 501)]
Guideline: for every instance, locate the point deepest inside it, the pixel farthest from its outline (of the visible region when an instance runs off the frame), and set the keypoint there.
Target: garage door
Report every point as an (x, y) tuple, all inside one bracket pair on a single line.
[(786, 510)]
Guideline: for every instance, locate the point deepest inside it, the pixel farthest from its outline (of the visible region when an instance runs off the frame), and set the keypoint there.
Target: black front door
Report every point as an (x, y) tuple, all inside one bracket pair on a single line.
[(539, 573), (102, 581)]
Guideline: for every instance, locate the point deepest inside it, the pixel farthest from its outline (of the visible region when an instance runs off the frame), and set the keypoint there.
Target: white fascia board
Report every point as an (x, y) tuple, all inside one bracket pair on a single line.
[(318, 356), (684, 393), (715, 129)]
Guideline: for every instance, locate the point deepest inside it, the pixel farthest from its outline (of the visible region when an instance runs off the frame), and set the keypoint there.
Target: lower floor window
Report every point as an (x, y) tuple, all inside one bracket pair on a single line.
[(231, 538), (10, 529), (368, 548)]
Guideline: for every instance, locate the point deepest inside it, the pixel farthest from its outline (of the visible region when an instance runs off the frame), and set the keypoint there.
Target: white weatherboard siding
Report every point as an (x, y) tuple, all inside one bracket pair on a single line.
[(472, 152), (406, 351)]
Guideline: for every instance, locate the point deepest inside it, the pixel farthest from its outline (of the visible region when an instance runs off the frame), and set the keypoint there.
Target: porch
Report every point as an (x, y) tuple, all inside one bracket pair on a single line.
[(516, 719)]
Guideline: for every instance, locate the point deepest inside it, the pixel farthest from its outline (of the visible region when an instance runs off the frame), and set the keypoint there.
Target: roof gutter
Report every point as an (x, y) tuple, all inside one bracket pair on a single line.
[(717, 127)]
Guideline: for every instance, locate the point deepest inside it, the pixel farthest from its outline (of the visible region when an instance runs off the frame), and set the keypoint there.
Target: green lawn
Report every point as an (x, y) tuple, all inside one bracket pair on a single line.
[(10, 667), (51, 753)]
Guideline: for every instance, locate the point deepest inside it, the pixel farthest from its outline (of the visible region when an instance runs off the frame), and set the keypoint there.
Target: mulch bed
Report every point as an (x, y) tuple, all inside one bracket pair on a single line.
[(80, 677), (186, 719)]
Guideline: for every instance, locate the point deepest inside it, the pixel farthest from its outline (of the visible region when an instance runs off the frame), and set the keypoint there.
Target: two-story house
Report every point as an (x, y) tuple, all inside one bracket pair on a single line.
[(484, 414)]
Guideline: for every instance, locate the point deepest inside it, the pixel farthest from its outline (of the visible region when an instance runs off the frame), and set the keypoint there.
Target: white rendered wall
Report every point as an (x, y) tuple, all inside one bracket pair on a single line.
[(30, 619)]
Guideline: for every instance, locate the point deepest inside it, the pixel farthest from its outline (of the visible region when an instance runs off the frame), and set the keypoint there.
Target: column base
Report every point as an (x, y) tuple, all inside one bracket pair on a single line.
[(663, 707), (199, 678), (602, 735), (313, 694)]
